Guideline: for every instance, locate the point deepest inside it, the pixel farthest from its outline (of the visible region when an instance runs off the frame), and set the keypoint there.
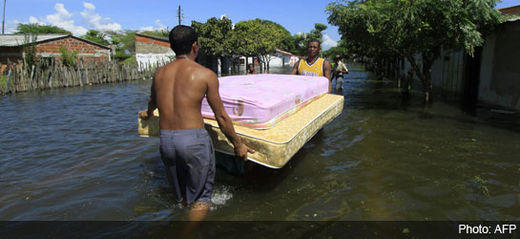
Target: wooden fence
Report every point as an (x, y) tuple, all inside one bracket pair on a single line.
[(52, 74)]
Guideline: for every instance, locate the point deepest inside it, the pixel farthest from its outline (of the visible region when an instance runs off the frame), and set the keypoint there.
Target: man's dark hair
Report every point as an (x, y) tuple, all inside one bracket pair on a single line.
[(314, 40), (181, 39)]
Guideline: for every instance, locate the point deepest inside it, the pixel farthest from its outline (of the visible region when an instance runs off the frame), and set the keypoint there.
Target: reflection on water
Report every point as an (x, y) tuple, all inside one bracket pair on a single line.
[(74, 154)]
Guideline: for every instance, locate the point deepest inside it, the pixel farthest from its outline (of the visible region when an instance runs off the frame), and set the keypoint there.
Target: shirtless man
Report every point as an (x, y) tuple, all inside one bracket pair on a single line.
[(313, 65), (186, 148)]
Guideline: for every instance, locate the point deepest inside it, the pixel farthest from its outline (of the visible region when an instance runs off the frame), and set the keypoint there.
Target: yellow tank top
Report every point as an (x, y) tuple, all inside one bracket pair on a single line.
[(316, 69)]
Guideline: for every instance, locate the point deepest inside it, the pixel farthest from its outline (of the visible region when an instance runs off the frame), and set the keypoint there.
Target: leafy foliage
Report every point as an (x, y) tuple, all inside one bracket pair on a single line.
[(214, 36), (29, 49), (300, 40), (130, 61), (341, 50), (405, 28), (157, 33), (124, 42), (39, 29), (97, 37), (258, 37), (68, 58)]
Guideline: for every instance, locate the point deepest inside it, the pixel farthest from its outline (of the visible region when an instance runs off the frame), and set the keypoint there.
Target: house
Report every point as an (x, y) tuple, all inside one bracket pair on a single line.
[(514, 10), (279, 58), (152, 50), (491, 77), (499, 80), (282, 58), (13, 47)]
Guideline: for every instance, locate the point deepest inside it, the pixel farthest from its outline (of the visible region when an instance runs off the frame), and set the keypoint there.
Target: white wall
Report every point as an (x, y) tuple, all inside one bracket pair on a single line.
[(145, 60)]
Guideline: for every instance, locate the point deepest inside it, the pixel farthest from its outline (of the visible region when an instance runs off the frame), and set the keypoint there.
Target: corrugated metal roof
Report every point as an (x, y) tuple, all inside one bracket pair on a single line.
[(514, 10), (21, 39)]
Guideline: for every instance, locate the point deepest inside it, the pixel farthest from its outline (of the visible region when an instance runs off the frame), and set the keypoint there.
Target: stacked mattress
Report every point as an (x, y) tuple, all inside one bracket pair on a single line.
[(276, 127), (260, 101)]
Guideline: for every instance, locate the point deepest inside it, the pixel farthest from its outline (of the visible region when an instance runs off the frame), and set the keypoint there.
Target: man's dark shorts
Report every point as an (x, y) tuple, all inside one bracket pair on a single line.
[(189, 158)]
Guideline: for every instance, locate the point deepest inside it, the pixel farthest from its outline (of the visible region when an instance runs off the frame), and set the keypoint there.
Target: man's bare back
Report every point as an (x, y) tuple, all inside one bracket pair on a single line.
[(189, 83), (177, 90)]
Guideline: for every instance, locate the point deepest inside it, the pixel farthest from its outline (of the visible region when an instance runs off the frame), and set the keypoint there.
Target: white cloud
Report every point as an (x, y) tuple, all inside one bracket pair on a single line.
[(89, 6), (149, 28), (328, 42), (95, 21), (33, 20), (160, 26), (64, 19), (10, 26), (61, 18)]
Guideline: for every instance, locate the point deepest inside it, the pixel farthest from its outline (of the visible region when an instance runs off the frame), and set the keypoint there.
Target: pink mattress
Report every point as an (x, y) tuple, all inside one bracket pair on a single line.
[(260, 101)]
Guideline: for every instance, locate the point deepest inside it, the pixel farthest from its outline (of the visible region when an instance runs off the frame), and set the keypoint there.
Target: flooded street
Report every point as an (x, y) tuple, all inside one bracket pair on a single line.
[(74, 154)]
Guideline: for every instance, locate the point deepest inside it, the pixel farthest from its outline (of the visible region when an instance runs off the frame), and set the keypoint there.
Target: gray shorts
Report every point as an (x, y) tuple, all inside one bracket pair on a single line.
[(189, 158)]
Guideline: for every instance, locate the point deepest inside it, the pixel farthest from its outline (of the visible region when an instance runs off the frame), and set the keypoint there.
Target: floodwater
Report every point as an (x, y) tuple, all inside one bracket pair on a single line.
[(74, 154)]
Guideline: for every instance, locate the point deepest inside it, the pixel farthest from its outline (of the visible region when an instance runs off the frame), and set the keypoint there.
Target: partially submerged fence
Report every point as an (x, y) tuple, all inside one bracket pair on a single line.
[(52, 74)]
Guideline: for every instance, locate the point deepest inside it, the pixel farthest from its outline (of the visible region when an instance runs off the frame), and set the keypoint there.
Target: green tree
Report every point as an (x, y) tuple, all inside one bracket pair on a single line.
[(410, 28), (214, 42), (258, 38), (214, 36), (124, 42), (39, 29), (68, 58), (341, 49), (300, 40), (97, 37)]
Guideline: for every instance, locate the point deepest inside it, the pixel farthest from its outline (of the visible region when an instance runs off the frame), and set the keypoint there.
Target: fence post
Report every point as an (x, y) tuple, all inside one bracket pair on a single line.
[(8, 83)]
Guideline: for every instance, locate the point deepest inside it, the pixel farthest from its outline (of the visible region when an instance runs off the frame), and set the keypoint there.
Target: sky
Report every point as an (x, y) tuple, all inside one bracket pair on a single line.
[(78, 16)]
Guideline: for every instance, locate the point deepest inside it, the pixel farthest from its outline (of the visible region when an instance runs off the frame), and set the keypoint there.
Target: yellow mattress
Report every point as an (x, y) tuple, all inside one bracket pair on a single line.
[(274, 146)]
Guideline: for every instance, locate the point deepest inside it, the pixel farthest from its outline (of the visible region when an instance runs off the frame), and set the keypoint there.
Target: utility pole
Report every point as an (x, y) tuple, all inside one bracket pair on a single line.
[(179, 14), (3, 20)]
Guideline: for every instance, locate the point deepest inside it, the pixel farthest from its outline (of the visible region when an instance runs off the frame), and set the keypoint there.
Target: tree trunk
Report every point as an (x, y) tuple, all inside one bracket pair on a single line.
[(224, 65), (247, 62), (424, 75), (259, 60), (428, 59)]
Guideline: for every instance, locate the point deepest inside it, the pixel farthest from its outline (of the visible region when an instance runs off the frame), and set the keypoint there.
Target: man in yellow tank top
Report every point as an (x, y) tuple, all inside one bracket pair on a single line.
[(313, 65)]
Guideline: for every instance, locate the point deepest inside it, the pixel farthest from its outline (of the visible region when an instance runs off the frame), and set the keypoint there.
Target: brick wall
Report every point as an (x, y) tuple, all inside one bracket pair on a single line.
[(85, 51), (89, 53), (150, 45)]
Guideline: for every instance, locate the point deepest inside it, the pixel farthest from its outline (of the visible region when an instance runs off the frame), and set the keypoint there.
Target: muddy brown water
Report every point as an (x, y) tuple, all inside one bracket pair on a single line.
[(74, 154)]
